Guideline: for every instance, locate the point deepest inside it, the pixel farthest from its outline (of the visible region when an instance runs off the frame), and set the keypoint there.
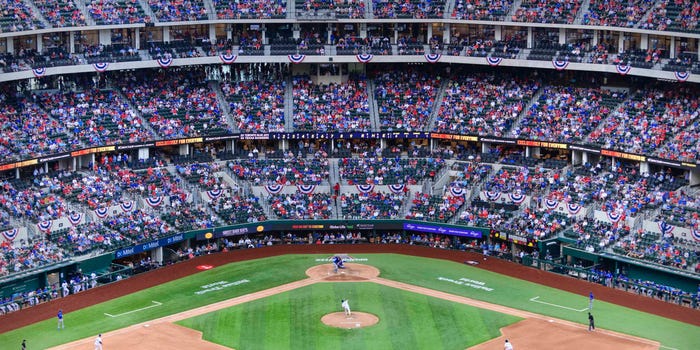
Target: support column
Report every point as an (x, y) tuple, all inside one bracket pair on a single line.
[(644, 168), (530, 39), (166, 34), (75, 164), (596, 34), (621, 43), (562, 36), (672, 49), (263, 32), (363, 30), (644, 45), (446, 33), (584, 158), (212, 34), (71, 42), (485, 147), (184, 150), (39, 43), (144, 153), (430, 33), (694, 177), (105, 37), (498, 33)]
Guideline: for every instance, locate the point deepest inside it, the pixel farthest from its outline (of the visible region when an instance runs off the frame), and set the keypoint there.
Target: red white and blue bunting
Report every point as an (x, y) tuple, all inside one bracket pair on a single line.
[(492, 195), (551, 204), (45, 226), (274, 188), (154, 201), (623, 69), (574, 208), (681, 76), (75, 218), (433, 57), (127, 206), (457, 191), (306, 189), (517, 197), (665, 227), (397, 188), (560, 64), (364, 57), (614, 216), (214, 194), (695, 234), (39, 72), (10, 235), (296, 59), (227, 59), (101, 66), (365, 188), (494, 61), (101, 212), (165, 62)]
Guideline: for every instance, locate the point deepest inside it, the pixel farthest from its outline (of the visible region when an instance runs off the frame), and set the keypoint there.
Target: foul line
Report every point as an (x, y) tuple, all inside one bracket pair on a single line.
[(556, 305), (155, 304)]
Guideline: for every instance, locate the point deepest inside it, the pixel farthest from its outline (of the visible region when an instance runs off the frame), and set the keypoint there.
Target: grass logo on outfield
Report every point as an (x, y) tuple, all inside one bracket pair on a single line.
[(218, 286), (468, 283)]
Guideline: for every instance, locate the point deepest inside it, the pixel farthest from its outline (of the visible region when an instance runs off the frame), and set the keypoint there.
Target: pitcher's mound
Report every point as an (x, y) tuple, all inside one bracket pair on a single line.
[(356, 320), (351, 272)]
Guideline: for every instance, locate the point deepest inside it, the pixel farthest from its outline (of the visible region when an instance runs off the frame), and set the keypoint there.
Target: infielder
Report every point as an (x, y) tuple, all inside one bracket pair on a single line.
[(346, 307), (59, 316), (98, 342)]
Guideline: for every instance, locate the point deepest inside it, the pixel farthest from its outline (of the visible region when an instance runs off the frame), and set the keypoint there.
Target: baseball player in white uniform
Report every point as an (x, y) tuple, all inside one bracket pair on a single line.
[(98, 342), (508, 345), (346, 307)]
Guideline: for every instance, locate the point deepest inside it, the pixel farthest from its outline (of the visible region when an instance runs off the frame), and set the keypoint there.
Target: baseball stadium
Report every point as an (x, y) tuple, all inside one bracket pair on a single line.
[(349, 174)]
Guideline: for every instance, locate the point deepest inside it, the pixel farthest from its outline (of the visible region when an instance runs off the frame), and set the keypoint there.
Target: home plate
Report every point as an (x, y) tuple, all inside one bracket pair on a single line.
[(147, 325), (550, 320)]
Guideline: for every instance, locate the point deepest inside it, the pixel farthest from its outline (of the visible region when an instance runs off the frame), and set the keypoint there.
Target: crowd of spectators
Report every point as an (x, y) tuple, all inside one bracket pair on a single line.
[(105, 12), (238, 209), (483, 104), (17, 16), (385, 171), (28, 256), (301, 206), (657, 248), (248, 9), (616, 13), (288, 171), (176, 103), (433, 207), (96, 117), (371, 205), (29, 132), (331, 107), (649, 119), (594, 236), (547, 11), (567, 114), (256, 106), (483, 10), (405, 98), (408, 9), (178, 10), (352, 9), (61, 13)]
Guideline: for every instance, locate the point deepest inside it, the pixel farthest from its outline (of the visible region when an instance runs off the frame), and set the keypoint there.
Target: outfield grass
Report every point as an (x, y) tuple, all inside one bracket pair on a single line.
[(291, 320), (265, 273)]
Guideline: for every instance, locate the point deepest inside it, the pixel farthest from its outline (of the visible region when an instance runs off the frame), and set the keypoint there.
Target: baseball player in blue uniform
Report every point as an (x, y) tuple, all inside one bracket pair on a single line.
[(59, 316), (338, 263)]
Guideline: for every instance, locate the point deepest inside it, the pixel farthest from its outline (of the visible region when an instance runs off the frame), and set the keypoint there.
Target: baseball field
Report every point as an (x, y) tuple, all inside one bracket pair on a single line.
[(278, 303)]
